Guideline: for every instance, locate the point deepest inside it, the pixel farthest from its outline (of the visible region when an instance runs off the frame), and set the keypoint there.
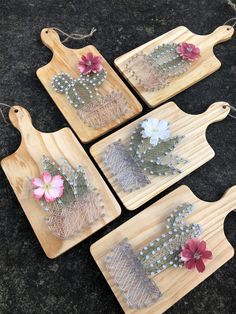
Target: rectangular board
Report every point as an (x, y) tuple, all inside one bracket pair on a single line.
[(201, 68), (194, 148), (24, 164), (149, 224), (66, 60)]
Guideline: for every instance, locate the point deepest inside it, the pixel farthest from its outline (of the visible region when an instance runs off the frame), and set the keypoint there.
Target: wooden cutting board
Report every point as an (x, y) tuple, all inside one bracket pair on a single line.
[(25, 164), (65, 60), (204, 66), (147, 225), (194, 148)]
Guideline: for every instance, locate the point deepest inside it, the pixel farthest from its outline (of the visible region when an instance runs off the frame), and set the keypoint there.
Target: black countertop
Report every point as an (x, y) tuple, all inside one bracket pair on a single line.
[(72, 283)]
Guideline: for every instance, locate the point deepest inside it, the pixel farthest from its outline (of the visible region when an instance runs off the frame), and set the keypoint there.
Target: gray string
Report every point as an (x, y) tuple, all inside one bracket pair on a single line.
[(75, 36), (233, 6), (230, 20), (233, 109), (2, 114)]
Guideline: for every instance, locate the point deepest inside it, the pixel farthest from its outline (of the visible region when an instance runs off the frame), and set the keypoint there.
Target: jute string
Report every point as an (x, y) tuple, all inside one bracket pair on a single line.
[(74, 36)]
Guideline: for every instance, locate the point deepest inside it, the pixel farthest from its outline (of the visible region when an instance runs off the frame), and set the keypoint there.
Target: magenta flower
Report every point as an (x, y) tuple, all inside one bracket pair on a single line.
[(48, 186), (194, 254), (90, 63), (188, 51)]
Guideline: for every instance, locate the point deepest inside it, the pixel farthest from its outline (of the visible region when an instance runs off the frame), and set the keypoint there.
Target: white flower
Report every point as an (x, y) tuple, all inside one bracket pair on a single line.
[(155, 130)]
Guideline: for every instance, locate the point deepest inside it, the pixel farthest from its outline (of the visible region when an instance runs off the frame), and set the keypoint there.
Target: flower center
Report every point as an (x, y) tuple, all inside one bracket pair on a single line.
[(154, 129), (89, 62), (197, 255), (189, 49), (47, 186)]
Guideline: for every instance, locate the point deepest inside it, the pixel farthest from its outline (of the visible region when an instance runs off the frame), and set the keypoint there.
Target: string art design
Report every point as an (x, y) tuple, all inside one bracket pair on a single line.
[(80, 206), (128, 273), (132, 271), (94, 109), (148, 153), (154, 71)]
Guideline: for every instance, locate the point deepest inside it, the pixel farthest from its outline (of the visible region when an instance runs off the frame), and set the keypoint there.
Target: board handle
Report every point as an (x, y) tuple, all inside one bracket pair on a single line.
[(21, 119), (50, 38), (221, 34), (215, 112), (229, 200)]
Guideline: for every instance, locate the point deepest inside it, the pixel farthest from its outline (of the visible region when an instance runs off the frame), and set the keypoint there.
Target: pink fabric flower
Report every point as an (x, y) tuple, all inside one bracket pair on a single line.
[(48, 186), (194, 254), (90, 63), (188, 51)]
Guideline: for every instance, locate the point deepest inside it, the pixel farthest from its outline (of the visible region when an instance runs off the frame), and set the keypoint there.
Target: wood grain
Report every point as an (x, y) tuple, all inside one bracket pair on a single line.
[(194, 148), (25, 164), (204, 66), (65, 60), (147, 225)]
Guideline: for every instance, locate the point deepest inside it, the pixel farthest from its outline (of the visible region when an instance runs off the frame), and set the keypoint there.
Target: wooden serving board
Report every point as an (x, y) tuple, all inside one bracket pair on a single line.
[(194, 148), (149, 224), (204, 66), (25, 164), (65, 60)]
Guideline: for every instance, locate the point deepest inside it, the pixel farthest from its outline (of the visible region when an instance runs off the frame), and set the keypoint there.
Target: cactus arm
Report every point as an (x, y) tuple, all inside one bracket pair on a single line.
[(62, 82)]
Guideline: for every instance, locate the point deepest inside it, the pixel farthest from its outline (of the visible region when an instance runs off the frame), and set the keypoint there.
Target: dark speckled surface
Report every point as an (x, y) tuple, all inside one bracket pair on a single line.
[(31, 283)]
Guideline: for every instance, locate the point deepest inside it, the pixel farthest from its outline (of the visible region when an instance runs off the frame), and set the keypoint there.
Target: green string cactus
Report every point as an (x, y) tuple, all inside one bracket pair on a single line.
[(167, 61), (95, 110), (154, 71), (80, 205), (147, 153), (132, 271), (80, 91), (163, 252), (155, 160)]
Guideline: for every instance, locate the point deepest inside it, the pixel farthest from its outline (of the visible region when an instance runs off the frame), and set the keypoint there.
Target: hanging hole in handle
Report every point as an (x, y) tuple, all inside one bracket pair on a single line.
[(46, 31), (16, 110), (224, 106)]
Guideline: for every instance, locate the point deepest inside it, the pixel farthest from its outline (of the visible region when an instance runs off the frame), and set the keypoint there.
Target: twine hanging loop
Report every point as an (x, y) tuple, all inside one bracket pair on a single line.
[(74, 36), (231, 20), (2, 114), (232, 108)]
